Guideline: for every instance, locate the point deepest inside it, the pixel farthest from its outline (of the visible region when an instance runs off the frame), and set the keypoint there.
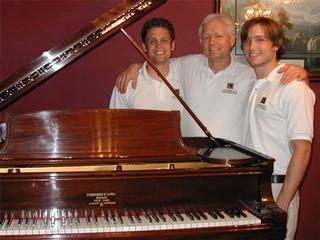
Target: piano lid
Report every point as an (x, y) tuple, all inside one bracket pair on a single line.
[(73, 47), (94, 136)]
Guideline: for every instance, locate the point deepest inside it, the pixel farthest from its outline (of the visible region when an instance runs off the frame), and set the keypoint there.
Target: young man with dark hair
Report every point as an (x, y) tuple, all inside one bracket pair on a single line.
[(158, 42), (279, 117), (215, 86)]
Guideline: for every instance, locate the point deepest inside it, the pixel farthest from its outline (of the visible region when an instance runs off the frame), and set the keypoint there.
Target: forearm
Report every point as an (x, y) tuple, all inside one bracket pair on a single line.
[(295, 172), (292, 72), (131, 73)]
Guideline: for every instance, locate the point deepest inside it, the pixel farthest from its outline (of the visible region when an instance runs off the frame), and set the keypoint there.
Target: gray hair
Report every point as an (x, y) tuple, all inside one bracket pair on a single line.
[(223, 18)]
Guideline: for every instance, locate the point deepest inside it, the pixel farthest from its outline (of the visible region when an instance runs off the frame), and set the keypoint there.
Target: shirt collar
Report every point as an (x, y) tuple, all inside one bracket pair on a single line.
[(206, 65), (274, 75), (148, 78)]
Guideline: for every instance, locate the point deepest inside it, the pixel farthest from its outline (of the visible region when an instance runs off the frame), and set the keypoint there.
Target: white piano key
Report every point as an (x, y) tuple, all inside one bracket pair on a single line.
[(22, 230), (100, 224), (42, 229), (127, 225), (95, 225), (13, 228), (62, 227), (119, 226), (49, 223), (144, 225), (251, 218), (3, 231), (186, 223), (170, 224), (83, 227)]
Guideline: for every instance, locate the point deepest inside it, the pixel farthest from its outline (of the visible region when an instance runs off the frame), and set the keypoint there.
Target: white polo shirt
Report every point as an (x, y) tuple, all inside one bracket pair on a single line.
[(150, 93), (278, 114), (219, 100)]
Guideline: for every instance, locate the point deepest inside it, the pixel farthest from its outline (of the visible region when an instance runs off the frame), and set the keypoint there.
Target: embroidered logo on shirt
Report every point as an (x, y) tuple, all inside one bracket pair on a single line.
[(262, 104), (229, 88)]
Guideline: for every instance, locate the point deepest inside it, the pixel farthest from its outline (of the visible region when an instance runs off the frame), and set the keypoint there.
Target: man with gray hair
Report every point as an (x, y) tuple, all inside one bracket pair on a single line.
[(215, 86)]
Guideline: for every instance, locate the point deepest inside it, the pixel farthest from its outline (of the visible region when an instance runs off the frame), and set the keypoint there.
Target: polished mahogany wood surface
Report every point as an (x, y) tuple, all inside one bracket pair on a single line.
[(100, 159), (219, 186), (95, 135)]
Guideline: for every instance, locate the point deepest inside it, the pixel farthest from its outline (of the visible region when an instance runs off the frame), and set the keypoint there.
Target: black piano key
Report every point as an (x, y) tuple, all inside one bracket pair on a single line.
[(242, 214), (194, 213), (237, 213), (94, 217), (230, 213), (21, 219), (171, 215), (3, 219), (87, 218), (212, 214), (153, 215), (52, 219), (10, 218), (219, 214), (111, 216), (104, 216), (118, 216), (159, 214), (70, 218), (34, 218), (136, 216), (63, 217), (129, 216), (28, 217), (201, 214), (146, 215), (188, 214), (177, 214), (76, 217)]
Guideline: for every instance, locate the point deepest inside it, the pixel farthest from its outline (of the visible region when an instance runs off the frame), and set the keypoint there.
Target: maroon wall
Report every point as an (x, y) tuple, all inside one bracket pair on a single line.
[(30, 27)]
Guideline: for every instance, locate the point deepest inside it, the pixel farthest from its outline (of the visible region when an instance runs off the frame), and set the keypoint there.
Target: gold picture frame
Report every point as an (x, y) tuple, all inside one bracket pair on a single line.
[(309, 48)]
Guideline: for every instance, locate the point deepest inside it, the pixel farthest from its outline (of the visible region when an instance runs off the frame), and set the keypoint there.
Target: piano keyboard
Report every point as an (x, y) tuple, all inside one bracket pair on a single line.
[(71, 221)]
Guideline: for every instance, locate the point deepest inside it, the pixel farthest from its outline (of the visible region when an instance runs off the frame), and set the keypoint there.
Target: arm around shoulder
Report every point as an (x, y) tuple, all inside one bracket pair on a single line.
[(292, 72), (129, 74)]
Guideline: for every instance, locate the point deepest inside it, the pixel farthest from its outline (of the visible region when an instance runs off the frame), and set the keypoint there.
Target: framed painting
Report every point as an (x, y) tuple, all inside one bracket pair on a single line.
[(300, 21)]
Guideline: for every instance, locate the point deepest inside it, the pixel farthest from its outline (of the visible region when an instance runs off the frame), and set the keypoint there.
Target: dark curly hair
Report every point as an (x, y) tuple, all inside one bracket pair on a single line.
[(157, 22)]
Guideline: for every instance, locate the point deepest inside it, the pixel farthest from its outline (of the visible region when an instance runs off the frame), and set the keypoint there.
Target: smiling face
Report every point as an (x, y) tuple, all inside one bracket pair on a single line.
[(258, 49), (216, 42), (159, 45), (262, 41)]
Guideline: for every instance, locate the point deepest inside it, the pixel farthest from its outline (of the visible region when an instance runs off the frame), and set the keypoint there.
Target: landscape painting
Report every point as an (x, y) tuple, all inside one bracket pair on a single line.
[(300, 21)]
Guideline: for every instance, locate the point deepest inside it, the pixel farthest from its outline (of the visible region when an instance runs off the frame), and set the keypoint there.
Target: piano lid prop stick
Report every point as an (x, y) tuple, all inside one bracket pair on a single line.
[(149, 61)]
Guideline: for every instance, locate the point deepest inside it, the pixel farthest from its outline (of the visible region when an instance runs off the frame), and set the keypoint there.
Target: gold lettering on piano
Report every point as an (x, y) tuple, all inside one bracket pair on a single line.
[(101, 199)]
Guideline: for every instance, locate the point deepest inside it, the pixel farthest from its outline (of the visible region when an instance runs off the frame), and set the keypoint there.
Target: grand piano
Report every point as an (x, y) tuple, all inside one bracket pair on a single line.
[(91, 174)]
